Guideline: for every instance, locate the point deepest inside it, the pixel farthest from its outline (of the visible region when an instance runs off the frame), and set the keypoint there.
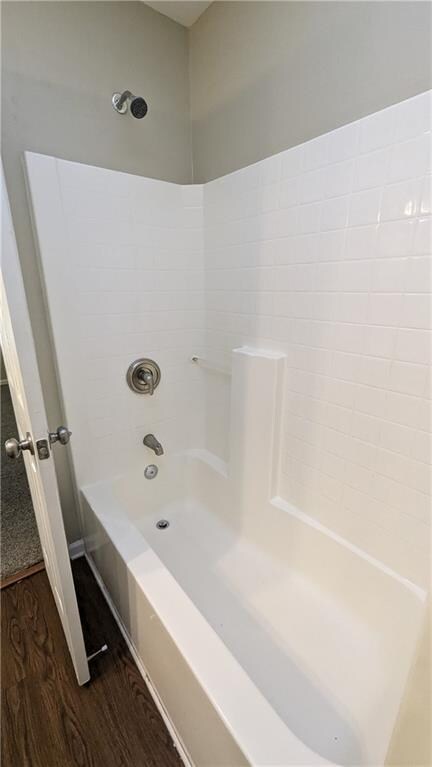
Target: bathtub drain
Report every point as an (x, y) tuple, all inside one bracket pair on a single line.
[(162, 524)]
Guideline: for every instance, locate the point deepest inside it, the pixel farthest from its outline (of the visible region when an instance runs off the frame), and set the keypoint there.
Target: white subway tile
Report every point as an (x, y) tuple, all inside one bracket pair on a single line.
[(404, 471), (360, 242), (361, 453), (308, 218), (336, 442), (347, 366), (343, 142), (334, 213), (413, 346), (385, 308), (401, 200), (370, 400), (375, 371), (317, 152), (418, 275), (403, 409), (413, 117), (349, 338), (366, 428), (380, 341), (351, 307), (407, 378), (424, 414), (270, 169), (330, 245), (410, 159), (425, 206), (377, 130), (359, 478), (338, 417), (355, 276), (304, 452), (397, 438), (292, 161), (338, 392), (371, 170), (423, 237), (311, 186), (332, 465), (421, 447), (395, 239), (192, 195), (388, 275), (416, 311), (304, 248), (364, 208), (289, 192), (327, 276), (338, 179)]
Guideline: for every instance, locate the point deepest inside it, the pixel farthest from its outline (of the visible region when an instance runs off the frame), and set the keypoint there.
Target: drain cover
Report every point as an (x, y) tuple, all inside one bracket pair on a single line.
[(162, 524)]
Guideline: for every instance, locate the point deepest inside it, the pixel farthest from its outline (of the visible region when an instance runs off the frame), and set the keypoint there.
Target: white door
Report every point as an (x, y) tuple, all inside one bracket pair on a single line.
[(26, 392)]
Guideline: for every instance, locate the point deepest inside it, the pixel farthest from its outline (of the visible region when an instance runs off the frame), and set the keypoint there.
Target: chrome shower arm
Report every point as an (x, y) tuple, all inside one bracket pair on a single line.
[(123, 98)]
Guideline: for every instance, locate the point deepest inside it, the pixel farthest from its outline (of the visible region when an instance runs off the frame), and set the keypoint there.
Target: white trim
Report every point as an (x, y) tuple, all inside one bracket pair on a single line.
[(178, 744), (76, 549)]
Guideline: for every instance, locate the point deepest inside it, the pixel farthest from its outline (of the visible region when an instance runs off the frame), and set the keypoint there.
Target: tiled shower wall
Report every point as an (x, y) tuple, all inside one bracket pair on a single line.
[(324, 252), (122, 262)]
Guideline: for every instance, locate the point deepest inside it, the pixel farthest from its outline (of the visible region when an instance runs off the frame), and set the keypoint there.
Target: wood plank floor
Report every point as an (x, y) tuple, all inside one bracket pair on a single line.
[(47, 720)]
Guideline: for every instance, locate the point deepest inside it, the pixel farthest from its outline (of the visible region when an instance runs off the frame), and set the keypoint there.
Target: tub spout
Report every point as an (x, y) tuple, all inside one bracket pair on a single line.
[(153, 443)]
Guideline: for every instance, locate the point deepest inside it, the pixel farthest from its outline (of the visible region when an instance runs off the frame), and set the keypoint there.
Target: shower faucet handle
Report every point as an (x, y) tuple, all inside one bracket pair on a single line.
[(143, 376), (146, 376)]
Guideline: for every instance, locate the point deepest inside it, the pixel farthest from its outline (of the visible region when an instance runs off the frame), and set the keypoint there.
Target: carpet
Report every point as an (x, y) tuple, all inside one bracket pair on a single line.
[(19, 539)]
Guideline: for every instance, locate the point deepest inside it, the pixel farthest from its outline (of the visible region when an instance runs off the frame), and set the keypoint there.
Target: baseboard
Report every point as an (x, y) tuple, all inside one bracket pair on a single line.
[(76, 549), (187, 761)]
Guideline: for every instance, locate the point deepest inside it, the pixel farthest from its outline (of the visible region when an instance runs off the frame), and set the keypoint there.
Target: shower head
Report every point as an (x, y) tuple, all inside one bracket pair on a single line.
[(138, 105)]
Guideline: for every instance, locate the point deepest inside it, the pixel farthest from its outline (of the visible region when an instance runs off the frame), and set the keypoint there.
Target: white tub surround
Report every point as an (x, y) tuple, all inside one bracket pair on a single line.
[(271, 629), (323, 253), (122, 265), (285, 600), (256, 412)]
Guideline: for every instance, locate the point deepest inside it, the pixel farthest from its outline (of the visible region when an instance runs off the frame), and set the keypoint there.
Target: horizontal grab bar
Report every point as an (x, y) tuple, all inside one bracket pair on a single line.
[(206, 365)]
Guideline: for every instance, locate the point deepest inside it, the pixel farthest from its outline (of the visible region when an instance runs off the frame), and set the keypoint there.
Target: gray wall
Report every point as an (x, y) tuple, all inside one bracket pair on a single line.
[(268, 75), (61, 61)]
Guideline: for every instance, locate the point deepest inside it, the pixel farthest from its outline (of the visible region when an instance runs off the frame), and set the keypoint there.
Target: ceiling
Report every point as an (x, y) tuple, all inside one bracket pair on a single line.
[(185, 13)]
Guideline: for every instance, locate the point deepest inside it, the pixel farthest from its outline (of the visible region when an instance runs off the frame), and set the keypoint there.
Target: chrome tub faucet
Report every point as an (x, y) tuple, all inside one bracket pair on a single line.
[(153, 443)]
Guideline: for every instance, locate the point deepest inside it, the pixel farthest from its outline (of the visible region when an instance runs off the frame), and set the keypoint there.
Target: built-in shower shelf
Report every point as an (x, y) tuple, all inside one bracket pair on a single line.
[(207, 365)]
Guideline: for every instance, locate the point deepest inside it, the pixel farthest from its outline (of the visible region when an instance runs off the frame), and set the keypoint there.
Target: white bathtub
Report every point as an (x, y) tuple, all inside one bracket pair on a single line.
[(268, 640)]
